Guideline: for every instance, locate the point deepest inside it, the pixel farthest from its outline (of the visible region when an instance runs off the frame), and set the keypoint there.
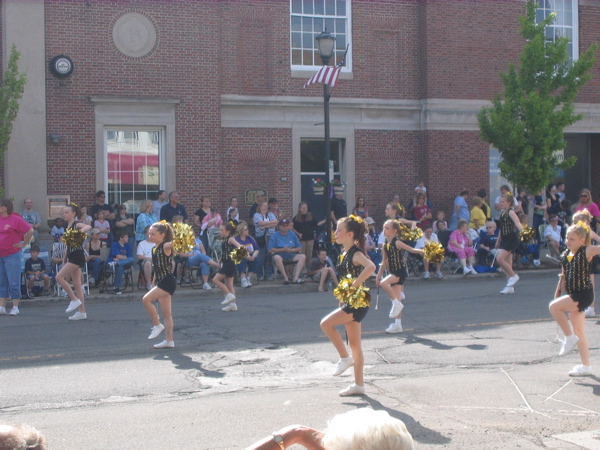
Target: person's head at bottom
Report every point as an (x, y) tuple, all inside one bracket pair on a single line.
[(366, 429), (23, 436)]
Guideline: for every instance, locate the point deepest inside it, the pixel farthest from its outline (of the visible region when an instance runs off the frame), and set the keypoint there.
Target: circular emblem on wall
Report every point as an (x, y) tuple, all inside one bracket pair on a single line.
[(61, 66), (134, 35)]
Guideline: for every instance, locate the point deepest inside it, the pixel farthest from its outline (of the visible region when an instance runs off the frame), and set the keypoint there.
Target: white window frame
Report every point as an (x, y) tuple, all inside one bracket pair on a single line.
[(548, 6), (311, 68)]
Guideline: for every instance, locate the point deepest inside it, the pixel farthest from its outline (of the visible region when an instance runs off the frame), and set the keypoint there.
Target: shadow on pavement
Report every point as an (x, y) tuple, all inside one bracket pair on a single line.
[(434, 345), (184, 362)]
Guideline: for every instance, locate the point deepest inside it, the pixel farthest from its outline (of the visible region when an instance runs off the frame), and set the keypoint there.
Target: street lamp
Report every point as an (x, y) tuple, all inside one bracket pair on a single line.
[(325, 45)]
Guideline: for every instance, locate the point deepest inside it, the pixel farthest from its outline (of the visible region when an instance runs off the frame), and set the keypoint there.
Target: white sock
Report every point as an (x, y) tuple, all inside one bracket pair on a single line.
[(398, 322), (395, 300)]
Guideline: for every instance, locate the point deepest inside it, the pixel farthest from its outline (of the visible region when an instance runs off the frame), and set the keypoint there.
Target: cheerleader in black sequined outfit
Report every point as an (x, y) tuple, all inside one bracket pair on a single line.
[(585, 217), (575, 280), (508, 241), (393, 261), (75, 262), (161, 234), (227, 270), (350, 233)]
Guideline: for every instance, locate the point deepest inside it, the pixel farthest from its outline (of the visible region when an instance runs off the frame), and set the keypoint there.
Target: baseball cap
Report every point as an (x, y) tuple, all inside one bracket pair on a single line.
[(284, 221), (369, 221)]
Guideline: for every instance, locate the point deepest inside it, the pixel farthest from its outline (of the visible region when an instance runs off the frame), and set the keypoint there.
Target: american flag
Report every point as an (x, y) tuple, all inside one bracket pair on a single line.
[(326, 75)]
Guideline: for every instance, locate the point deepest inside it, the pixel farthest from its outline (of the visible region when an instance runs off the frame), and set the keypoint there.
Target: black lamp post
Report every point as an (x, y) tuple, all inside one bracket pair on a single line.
[(325, 45)]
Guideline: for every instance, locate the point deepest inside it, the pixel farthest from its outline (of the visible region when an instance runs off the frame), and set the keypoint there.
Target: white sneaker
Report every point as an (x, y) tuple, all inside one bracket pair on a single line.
[(394, 328), (248, 282), (512, 281), (537, 263), (206, 287), (590, 312), (508, 290), (228, 299), (426, 275), (243, 282), (2, 311), (581, 371), (78, 316), (396, 309), (466, 271), (353, 389), (156, 330), (472, 270), (569, 344), (439, 275), (343, 365), (165, 344), (230, 307), (14, 311), (402, 296), (73, 306)]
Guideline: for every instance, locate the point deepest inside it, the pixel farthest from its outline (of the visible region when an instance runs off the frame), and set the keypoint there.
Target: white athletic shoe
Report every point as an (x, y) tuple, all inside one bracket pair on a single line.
[(508, 290), (228, 299), (394, 328), (78, 316), (512, 281), (156, 330), (568, 345), (343, 365), (353, 389), (396, 309), (73, 306), (589, 312)]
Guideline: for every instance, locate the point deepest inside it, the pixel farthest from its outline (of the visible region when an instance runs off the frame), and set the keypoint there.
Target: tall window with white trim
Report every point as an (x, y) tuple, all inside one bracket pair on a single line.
[(307, 20), (566, 23)]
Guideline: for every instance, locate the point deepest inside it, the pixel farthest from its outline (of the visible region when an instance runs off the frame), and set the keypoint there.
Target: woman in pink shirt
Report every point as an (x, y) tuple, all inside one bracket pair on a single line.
[(211, 220), (15, 234), (586, 202)]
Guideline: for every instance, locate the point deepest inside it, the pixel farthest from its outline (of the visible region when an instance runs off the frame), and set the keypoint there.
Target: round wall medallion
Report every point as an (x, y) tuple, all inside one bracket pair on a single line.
[(134, 35), (61, 66)]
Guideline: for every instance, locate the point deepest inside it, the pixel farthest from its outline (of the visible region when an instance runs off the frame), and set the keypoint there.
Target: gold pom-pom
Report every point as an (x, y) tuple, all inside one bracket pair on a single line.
[(406, 234), (74, 238), (183, 238), (433, 252), (238, 254), (354, 297), (527, 234)]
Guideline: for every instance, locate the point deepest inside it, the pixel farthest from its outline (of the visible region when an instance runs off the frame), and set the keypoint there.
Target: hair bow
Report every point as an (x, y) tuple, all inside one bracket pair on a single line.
[(356, 218), (74, 204), (584, 226)]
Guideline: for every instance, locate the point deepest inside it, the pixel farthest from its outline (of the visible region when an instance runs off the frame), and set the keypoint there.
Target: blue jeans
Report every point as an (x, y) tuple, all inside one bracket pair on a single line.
[(119, 269), (261, 261), (10, 276), (95, 266), (200, 259), (249, 266)]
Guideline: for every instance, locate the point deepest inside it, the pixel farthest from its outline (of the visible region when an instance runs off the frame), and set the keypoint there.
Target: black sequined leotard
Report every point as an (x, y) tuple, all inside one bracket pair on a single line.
[(163, 269), (345, 267), (507, 225), (577, 271), (227, 264), (75, 255), (395, 258)]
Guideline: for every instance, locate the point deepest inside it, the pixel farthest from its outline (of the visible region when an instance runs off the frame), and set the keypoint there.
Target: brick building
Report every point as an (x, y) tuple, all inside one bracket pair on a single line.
[(207, 97)]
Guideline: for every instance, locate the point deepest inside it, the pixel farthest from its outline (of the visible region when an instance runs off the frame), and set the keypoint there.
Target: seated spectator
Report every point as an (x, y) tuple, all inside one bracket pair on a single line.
[(120, 256), (58, 229), (487, 242), (360, 209), (199, 258), (249, 265), (83, 216), (441, 216), (285, 246), (321, 269), (102, 225), (422, 212), (553, 236), (371, 247), (94, 259), (35, 270), (23, 436), (211, 220), (461, 244), (361, 428), (144, 220), (443, 233), (124, 221), (429, 236), (478, 218), (144, 255)]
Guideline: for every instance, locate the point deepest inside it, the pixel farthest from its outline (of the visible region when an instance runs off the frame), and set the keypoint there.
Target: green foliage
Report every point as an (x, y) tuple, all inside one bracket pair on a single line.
[(11, 91), (527, 125)]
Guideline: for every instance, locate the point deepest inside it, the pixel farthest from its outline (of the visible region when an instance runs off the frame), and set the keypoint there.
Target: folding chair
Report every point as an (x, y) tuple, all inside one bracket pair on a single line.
[(414, 264)]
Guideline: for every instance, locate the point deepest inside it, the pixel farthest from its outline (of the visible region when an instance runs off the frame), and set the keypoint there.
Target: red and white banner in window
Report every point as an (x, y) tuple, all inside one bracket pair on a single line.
[(326, 75)]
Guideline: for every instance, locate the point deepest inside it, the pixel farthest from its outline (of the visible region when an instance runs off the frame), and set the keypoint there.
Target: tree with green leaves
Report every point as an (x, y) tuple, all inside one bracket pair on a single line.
[(11, 91), (527, 124)]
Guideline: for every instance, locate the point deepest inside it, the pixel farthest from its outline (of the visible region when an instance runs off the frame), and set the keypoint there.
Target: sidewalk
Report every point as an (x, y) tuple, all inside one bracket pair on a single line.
[(274, 287)]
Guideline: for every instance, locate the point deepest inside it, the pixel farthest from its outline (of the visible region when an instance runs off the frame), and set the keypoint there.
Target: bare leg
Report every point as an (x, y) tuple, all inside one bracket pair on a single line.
[(328, 324), (154, 294), (218, 280), (504, 260), (301, 259), (354, 338), (165, 307), (230, 287), (279, 263), (558, 308)]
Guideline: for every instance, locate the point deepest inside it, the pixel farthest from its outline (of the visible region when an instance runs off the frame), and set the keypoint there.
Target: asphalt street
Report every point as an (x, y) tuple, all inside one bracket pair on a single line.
[(472, 368)]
